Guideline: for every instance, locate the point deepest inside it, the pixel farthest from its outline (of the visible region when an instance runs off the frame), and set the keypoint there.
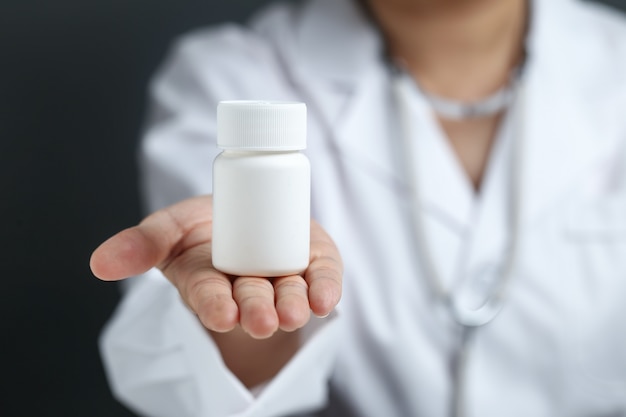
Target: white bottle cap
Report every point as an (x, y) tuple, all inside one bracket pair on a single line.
[(261, 125)]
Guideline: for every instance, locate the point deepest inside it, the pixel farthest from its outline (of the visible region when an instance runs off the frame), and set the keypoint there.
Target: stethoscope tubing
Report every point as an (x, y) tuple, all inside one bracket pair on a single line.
[(468, 319)]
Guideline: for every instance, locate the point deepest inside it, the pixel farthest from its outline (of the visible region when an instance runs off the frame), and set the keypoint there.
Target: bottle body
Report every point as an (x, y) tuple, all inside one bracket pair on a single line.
[(261, 212)]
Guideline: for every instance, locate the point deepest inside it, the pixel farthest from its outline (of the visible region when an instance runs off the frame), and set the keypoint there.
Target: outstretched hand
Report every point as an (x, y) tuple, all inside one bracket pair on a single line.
[(177, 240)]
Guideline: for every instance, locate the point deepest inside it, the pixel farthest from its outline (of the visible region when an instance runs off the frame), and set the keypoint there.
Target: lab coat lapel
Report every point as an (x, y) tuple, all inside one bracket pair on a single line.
[(334, 47), (445, 192), (338, 64)]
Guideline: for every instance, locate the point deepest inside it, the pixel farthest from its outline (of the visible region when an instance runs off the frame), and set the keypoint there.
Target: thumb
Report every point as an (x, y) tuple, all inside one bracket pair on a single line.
[(128, 253), (137, 249)]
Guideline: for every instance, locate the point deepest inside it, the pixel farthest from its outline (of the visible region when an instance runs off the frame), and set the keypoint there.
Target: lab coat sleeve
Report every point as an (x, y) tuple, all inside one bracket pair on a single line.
[(159, 359)]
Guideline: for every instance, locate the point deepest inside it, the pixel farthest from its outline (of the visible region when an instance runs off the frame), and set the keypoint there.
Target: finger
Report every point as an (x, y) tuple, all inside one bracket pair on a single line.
[(207, 291), (292, 302), (324, 274), (153, 242), (255, 299)]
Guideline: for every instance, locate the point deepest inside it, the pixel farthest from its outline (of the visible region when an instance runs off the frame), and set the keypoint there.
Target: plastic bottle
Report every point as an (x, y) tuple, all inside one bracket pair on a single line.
[(261, 189)]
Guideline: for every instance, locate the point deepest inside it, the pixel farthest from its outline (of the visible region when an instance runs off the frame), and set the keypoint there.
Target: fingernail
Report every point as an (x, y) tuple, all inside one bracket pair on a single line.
[(320, 317)]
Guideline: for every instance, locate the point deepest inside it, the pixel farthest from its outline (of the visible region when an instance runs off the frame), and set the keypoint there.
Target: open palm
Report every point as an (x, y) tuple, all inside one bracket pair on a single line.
[(177, 240)]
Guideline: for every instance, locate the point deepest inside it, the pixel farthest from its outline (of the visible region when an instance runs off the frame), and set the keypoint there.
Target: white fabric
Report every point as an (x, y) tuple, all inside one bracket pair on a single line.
[(558, 348)]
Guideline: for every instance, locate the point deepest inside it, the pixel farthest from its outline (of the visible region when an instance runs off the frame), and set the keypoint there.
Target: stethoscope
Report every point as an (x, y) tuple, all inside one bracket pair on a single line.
[(468, 319)]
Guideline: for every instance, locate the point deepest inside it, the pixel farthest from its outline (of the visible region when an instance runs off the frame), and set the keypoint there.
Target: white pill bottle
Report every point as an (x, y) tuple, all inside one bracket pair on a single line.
[(261, 189)]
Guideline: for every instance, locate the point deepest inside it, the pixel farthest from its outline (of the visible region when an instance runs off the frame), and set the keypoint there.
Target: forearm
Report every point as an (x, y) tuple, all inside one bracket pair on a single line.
[(255, 361)]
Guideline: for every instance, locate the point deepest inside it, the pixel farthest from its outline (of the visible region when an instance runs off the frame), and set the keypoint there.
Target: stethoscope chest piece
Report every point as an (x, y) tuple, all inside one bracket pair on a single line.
[(474, 317)]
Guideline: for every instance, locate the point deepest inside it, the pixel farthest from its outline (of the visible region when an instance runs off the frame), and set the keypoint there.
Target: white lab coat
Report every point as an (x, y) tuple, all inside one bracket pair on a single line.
[(558, 347)]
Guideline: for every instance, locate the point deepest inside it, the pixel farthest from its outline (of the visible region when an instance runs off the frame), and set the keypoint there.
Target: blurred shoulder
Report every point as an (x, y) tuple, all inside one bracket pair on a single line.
[(232, 61), (241, 44), (596, 36), (605, 25), (605, 29), (605, 18)]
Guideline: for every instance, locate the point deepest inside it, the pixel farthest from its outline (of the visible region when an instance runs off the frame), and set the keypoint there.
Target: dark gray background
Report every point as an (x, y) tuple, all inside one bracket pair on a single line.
[(73, 77)]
